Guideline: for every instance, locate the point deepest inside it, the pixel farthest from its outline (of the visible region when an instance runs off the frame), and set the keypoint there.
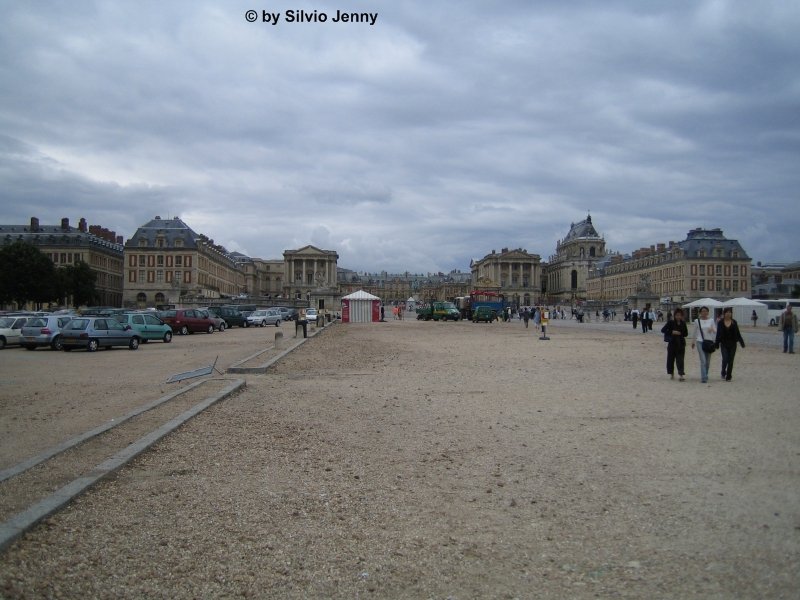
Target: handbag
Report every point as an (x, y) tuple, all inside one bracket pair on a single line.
[(707, 345)]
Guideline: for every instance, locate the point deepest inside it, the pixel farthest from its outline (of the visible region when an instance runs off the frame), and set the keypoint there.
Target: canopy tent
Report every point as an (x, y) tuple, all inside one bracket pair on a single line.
[(709, 302), (361, 307), (743, 310), (693, 308)]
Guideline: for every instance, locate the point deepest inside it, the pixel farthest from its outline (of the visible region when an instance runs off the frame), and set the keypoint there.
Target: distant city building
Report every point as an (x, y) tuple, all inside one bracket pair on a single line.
[(568, 269), (705, 264), (166, 262), (775, 280), (517, 273), (65, 245)]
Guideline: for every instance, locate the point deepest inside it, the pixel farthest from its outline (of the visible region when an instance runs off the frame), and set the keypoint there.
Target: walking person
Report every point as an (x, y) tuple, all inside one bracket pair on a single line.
[(788, 325), (537, 317), (704, 330), (754, 318), (526, 316), (728, 335), (675, 334)]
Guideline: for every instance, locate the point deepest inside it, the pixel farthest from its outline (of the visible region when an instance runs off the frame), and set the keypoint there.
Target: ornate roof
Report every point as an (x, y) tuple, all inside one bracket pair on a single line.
[(582, 229), (169, 229)]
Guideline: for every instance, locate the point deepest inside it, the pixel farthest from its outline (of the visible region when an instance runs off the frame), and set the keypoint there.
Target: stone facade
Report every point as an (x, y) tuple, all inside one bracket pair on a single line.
[(705, 264), (517, 273), (568, 269), (166, 262), (65, 245), (310, 274)]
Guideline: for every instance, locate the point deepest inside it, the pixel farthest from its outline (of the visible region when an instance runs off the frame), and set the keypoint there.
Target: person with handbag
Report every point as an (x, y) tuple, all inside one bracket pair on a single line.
[(728, 335), (675, 334), (705, 332)]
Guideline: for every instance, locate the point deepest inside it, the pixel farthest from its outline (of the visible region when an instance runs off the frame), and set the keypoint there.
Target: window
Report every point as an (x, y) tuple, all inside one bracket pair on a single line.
[(702, 285), (718, 271), (169, 276), (142, 243), (151, 276), (160, 242), (744, 272), (132, 276), (694, 284), (132, 260), (727, 270), (177, 275), (719, 285), (142, 260), (160, 276), (735, 270), (141, 275), (179, 243), (694, 270), (187, 277), (702, 269), (735, 285), (178, 261)]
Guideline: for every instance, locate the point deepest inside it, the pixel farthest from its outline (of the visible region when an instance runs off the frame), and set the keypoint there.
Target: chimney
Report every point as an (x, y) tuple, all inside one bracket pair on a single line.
[(34, 224), (661, 247), (65, 223), (82, 225), (119, 240)]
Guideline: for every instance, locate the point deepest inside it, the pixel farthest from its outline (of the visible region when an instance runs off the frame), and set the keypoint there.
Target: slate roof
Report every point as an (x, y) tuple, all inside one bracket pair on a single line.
[(582, 229), (171, 229), (47, 235), (709, 239)]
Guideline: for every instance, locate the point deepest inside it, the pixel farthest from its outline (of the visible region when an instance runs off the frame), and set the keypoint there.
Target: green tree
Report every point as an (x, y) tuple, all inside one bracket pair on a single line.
[(26, 275), (80, 283)]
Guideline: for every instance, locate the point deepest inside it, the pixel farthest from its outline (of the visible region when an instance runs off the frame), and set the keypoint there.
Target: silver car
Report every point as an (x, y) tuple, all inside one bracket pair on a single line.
[(96, 332), (44, 331), (11, 330), (264, 317)]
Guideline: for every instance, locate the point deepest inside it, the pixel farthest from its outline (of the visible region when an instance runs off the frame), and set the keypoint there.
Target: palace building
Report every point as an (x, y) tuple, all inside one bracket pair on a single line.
[(517, 273), (166, 262), (568, 269), (65, 245), (705, 264)]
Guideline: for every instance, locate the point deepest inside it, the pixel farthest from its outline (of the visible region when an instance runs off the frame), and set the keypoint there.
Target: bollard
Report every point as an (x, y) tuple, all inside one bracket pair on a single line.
[(278, 340)]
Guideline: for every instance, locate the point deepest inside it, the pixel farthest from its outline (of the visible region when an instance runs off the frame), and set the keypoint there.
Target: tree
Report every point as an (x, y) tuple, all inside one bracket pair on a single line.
[(80, 284), (26, 275)]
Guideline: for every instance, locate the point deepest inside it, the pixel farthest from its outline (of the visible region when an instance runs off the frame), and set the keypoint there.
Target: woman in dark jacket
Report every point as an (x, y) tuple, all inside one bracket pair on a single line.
[(675, 334), (728, 335)]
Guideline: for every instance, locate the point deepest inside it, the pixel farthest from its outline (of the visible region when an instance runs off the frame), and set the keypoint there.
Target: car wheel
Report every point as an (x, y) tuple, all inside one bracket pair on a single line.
[(56, 343), (278, 323), (168, 337), (246, 324), (134, 343), (263, 324), (2, 343), (93, 345), (184, 330), (222, 327), (210, 329), (33, 347)]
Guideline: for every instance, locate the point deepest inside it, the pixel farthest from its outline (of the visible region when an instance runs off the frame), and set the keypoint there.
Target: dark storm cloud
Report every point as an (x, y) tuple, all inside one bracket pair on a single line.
[(446, 130)]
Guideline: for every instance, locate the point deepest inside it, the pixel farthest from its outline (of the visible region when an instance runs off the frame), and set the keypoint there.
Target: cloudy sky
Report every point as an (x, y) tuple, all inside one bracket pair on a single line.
[(442, 131)]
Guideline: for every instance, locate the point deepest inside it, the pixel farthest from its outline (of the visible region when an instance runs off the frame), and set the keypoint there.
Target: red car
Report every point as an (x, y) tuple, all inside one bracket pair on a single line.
[(188, 320)]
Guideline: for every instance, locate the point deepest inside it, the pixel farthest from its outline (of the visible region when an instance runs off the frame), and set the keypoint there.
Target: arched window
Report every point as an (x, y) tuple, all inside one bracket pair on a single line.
[(591, 251), (160, 298), (574, 278), (582, 252), (141, 299)]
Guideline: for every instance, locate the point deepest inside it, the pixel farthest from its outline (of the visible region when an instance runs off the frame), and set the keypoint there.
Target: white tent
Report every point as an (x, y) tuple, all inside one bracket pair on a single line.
[(361, 307), (709, 302), (714, 306), (743, 310)]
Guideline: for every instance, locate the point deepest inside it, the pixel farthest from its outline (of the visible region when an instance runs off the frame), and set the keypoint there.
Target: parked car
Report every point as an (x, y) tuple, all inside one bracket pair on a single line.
[(187, 320), (287, 313), (149, 326), (44, 331), (230, 314), (219, 323), (311, 315), (11, 330), (97, 332), (264, 317), (483, 313)]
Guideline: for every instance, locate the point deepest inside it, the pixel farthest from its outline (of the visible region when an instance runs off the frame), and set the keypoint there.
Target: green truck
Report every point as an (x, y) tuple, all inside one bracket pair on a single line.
[(438, 311)]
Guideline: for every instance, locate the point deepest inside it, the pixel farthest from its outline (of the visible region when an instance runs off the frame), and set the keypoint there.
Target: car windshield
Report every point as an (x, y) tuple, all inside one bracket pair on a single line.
[(259, 313), (38, 322)]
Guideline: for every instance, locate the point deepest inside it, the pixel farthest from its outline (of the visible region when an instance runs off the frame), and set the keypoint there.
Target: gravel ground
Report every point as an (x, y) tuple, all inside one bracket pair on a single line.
[(451, 460)]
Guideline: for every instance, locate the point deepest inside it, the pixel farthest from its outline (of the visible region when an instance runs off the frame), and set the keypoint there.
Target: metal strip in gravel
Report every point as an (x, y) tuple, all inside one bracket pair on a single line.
[(21, 522)]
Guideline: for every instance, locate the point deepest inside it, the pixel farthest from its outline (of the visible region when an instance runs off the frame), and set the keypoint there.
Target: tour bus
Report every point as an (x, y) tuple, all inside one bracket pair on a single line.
[(776, 307)]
